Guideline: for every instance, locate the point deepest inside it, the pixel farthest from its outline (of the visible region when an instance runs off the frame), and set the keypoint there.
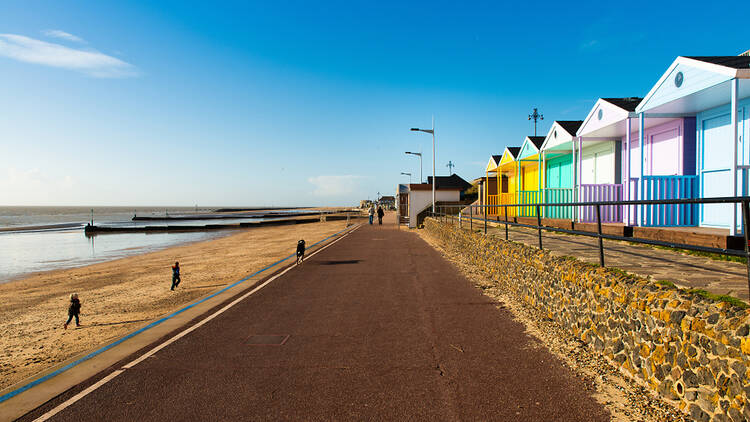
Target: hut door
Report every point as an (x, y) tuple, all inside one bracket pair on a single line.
[(665, 154), (715, 168)]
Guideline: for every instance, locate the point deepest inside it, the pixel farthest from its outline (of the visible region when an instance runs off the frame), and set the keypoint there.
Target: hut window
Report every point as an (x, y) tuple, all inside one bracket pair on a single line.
[(678, 78), (600, 114), (504, 182)]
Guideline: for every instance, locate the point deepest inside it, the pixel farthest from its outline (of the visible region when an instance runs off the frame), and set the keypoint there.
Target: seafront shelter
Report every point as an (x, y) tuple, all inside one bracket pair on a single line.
[(507, 171), (559, 163), (599, 165), (490, 185), (530, 175), (665, 170), (715, 90)]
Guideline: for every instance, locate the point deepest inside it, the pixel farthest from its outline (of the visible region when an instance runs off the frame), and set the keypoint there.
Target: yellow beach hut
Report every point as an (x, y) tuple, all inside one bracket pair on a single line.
[(507, 173), (491, 195), (530, 175)]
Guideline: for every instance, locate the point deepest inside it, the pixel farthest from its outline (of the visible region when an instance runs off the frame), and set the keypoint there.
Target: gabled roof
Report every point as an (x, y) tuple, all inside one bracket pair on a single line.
[(497, 158), (536, 140), (570, 126), (734, 62), (453, 181), (628, 104), (697, 83), (561, 134), (510, 155)]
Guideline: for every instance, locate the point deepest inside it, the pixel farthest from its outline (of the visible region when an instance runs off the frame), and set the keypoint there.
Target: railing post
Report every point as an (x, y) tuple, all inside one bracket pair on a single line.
[(745, 227), (485, 219), (599, 231), (471, 218), (506, 222), (539, 224)]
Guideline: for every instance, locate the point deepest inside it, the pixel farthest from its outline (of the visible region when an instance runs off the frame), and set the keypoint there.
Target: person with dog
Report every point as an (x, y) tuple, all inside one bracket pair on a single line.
[(300, 251)]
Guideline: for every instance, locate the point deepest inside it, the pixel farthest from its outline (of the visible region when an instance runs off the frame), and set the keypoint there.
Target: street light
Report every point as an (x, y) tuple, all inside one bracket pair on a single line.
[(407, 174), (420, 163), (432, 132)]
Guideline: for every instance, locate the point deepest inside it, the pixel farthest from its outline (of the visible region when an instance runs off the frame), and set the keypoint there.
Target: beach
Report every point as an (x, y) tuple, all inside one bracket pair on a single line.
[(122, 295)]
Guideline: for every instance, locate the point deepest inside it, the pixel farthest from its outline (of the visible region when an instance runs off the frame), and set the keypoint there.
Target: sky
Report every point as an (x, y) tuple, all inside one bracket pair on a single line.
[(279, 103)]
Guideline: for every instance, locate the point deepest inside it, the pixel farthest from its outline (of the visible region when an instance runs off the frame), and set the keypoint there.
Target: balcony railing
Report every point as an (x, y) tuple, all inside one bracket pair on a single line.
[(529, 197), (669, 187), (601, 193), (558, 196)]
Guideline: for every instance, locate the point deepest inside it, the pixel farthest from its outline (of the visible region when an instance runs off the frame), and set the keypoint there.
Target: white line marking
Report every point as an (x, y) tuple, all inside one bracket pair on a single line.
[(78, 396), (151, 352)]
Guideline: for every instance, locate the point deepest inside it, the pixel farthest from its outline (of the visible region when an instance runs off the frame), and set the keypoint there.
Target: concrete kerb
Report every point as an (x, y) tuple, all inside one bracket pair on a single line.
[(28, 394)]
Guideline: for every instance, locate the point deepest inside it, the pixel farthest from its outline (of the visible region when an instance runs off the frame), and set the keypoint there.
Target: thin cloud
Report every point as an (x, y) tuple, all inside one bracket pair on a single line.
[(56, 33), (90, 62), (590, 45), (335, 185)]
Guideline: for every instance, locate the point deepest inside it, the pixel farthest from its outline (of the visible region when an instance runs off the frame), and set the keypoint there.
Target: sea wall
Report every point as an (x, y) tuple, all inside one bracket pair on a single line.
[(692, 351)]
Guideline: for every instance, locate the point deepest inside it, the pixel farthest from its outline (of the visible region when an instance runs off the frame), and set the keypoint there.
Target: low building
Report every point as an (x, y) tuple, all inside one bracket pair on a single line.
[(448, 191), (387, 202)]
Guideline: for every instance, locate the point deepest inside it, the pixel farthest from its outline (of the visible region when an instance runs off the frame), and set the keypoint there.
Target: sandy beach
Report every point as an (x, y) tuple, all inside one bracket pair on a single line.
[(120, 296)]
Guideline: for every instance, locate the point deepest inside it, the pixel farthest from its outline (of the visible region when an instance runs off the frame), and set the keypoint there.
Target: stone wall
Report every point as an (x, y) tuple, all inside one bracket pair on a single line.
[(692, 351)]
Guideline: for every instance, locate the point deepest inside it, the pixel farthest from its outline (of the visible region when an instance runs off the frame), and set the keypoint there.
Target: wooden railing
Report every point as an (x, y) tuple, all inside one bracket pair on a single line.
[(558, 196), (599, 193), (669, 187)]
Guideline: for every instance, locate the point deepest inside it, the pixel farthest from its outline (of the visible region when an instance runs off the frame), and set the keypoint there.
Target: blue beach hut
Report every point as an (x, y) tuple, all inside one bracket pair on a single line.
[(708, 88)]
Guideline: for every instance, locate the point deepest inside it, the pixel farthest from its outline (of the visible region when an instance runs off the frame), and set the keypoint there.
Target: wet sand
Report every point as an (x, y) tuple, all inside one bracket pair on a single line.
[(120, 296)]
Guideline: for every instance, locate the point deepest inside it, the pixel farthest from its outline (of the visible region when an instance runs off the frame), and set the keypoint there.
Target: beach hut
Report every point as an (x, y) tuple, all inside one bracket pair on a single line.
[(599, 168), (666, 170), (715, 90), (558, 161), (530, 174), (507, 172), (490, 183)]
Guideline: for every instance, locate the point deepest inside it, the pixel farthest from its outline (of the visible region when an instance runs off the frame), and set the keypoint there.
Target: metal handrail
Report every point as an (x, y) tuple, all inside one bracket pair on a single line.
[(744, 201)]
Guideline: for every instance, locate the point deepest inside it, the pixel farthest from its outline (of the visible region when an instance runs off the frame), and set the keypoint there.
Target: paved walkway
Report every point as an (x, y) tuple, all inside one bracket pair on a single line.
[(380, 327), (690, 271)]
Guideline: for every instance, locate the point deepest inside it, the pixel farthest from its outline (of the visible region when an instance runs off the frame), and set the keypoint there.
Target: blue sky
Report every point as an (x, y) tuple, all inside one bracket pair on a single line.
[(301, 103)]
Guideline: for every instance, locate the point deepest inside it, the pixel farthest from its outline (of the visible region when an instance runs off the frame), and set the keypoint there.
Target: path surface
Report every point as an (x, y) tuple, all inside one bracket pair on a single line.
[(688, 271), (380, 327)]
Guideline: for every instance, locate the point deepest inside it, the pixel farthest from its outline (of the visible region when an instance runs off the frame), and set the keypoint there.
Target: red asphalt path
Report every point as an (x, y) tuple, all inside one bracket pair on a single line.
[(380, 327)]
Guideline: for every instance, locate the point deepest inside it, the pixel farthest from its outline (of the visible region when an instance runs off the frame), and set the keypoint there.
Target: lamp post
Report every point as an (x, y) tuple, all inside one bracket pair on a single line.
[(432, 132), (407, 174), (420, 163), (536, 115)]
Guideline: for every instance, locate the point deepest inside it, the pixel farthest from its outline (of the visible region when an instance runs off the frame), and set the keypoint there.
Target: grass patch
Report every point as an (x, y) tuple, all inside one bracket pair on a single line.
[(720, 298), (710, 255), (666, 283)]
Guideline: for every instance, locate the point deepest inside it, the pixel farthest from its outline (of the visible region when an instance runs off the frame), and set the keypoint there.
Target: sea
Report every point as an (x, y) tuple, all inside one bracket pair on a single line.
[(35, 239)]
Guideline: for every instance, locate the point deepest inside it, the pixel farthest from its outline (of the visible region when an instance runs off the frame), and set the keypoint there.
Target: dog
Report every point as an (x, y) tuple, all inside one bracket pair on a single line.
[(300, 251)]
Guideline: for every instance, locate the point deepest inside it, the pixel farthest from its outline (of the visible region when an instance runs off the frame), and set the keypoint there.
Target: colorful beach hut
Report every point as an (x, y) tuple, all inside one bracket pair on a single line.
[(530, 174), (507, 172), (600, 161), (715, 90), (665, 171), (490, 184), (559, 163)]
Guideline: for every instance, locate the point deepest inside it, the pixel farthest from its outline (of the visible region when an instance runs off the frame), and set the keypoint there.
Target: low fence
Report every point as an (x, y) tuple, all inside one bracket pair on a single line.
[(505, 217)]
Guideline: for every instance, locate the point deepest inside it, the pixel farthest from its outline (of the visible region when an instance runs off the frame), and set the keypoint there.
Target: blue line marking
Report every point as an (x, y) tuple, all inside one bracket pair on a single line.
[(149, 326)]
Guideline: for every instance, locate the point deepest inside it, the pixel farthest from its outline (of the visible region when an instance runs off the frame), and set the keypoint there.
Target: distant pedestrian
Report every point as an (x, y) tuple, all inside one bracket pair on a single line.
[(371, 212), (381, 213), (175, 275), (300, 251), (74, 309)]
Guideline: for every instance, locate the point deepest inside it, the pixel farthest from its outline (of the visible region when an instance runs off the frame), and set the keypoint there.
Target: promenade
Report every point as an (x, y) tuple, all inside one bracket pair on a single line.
[(684, 270), (376, 327)]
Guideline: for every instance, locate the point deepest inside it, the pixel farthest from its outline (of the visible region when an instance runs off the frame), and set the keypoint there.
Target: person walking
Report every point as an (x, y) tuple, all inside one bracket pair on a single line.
[(371, 212), (381, 213), (74, 309), (175, 275)]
